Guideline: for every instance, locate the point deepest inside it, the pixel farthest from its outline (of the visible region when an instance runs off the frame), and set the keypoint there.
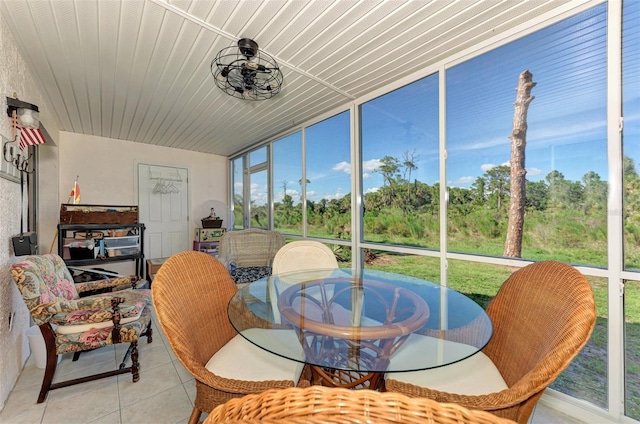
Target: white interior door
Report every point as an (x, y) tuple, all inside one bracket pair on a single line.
[(163, 202)]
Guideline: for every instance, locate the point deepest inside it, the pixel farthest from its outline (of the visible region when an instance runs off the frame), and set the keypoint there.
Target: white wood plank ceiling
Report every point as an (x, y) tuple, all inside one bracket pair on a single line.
[(139, 70)]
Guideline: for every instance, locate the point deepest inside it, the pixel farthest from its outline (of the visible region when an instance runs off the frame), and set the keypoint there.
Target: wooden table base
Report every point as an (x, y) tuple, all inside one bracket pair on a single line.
[(347, 379)]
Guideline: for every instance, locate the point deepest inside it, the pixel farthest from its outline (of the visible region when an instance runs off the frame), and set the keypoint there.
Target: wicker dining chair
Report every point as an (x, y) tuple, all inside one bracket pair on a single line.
[(190, 294), (325, 405), (248, 254), (302, 255), (543, 315)]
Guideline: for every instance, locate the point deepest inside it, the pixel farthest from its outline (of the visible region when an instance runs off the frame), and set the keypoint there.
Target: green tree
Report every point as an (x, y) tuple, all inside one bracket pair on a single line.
[(558, 189), (409, 164), (498, 185), (479, 190), (595, 193), (389, 167), (537, 196)]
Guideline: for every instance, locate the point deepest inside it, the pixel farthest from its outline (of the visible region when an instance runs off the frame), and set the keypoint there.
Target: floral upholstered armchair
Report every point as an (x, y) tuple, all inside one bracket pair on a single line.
[(72, 324), (248, 254)]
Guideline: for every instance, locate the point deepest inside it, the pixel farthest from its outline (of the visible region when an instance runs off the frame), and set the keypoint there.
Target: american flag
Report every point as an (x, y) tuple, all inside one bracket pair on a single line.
[(30, 137)]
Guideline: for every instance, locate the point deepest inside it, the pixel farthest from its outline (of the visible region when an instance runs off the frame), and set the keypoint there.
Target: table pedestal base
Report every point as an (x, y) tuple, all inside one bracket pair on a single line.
[(347, 379)]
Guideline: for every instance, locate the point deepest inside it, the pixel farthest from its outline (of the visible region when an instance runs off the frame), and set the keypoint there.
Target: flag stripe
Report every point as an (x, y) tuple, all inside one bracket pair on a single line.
[(30, 137)]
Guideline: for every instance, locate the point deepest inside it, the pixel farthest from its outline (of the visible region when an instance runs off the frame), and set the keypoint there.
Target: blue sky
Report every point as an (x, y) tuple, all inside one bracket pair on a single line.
[(566, 120)]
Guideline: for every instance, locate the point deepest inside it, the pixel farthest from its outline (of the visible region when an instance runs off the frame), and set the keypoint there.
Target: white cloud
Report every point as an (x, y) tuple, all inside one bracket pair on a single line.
[(295, 194), (368, 167), (534, 171), (337, 195), (342, 166), (371, 165), (372, 190), (487, 166), (464, 180)]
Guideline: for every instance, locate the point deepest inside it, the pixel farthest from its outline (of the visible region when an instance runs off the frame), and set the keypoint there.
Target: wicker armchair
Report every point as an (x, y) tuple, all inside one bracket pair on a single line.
[(543, 315), (318, 404), (248, 254), (71, 324), (190, 295)]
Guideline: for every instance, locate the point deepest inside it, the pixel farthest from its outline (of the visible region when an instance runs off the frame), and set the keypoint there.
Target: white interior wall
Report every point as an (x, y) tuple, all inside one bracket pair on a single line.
[(15, 78), (107, 170)]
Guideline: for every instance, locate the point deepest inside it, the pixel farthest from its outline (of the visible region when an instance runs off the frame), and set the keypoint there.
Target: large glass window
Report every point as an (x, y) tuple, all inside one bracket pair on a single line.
[(495, 115), (631, 131), (238, 193), (526, 138), (425, 267), (287, 180), (478, 281), (632, 349), (557, 125), (328, 177), (631, 193), (259, 206), (400, 166)]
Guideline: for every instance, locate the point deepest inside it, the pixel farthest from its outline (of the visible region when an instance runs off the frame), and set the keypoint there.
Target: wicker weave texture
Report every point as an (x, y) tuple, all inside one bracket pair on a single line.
[(303, 254), (543, 315), (250, 247), (317, 404), (190, 295)]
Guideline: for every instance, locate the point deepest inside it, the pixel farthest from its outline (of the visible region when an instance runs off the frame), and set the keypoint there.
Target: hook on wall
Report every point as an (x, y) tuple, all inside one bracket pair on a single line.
[(25, 116), (12, 154)]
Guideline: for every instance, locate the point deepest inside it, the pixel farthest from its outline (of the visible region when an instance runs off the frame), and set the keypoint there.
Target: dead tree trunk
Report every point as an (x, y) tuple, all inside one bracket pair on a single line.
[(513, 243)]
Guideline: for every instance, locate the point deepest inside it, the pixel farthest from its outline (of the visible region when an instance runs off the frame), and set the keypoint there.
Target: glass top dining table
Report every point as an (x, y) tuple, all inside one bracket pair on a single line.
[(361, 322)]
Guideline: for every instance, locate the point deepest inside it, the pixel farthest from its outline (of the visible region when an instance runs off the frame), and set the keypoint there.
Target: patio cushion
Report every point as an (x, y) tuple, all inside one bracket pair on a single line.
[(133, 315), (248, 274), (475, 375), (240, 359)]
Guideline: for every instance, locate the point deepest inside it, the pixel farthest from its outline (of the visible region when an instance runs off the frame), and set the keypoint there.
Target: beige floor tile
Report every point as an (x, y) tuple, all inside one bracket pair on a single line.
[(545, 415), (82, 403), (113, 418), (21, 407), (89, 362), (150, 355), (170, 406), (184, 375), (31, 376), (190, 388), (152, 381)]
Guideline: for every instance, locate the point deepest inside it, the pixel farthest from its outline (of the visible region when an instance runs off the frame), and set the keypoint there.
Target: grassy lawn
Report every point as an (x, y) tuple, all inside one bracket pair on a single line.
[(586, 377)]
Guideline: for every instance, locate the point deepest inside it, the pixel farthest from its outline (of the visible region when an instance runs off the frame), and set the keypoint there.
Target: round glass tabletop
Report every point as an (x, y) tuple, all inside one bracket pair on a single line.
[(359, 320)]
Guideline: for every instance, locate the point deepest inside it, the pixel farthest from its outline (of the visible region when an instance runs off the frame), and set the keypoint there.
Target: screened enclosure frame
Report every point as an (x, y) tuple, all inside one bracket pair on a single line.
[(614, 272)]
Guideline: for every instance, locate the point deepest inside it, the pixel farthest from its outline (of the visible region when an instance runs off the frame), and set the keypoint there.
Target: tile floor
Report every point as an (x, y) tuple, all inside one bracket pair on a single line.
[(164, 394)]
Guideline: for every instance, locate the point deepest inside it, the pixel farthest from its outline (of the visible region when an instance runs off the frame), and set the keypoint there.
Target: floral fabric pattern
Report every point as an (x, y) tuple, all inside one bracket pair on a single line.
[(96, 338), (103, 284), (51, 296)]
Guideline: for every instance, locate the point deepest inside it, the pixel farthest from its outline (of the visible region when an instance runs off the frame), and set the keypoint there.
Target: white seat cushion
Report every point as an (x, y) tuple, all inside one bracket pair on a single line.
[(240, 359), (81, 328), (475, 375)]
